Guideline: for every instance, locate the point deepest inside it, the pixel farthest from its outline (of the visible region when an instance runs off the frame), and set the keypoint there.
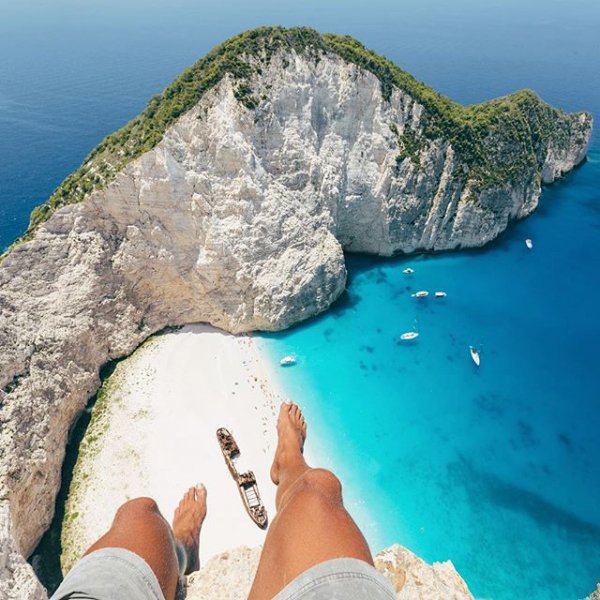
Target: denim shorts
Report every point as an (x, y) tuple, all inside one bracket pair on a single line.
[(117, 574)]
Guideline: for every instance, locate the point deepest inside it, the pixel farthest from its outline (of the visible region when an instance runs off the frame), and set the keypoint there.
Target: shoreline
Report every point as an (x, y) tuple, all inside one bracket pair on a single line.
[(153, 434), (326, 447)]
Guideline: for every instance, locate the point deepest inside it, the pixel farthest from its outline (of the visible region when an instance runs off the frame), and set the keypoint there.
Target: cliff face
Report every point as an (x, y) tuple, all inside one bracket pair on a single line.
[(238, 217)]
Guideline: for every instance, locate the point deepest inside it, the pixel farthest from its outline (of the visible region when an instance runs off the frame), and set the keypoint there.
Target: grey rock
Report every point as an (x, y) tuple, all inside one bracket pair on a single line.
[(17, 579)]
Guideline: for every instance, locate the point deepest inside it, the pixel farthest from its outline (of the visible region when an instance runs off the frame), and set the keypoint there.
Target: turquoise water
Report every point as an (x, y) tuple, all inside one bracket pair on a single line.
[(496, 468)]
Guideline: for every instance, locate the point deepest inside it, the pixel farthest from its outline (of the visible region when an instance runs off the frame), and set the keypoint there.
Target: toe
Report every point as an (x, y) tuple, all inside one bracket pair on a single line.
[(200, 491)]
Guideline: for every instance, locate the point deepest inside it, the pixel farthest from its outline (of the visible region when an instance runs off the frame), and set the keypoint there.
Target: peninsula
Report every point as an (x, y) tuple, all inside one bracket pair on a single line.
[(230, 200)]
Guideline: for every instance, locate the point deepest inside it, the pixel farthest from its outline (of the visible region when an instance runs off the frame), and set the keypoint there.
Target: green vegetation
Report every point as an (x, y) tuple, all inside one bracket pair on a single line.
[(410, 146), (108, 402), (89, 447), (495, 139)]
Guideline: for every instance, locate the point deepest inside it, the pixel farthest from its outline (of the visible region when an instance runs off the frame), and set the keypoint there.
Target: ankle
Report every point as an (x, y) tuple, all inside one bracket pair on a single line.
[(289, 459), (288, 484), (182, 558)]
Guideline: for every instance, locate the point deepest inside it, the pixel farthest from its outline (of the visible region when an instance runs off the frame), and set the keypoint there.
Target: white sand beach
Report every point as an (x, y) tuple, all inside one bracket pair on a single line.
[(156, 436)]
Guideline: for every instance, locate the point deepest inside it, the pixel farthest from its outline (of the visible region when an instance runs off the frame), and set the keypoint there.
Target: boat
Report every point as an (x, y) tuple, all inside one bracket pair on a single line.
[(440, 294), (475, 355), (251, 498), (409, 335), (408, 271), (229, 448), (421, 294), (529, 243), (288, 361), (246, 482)]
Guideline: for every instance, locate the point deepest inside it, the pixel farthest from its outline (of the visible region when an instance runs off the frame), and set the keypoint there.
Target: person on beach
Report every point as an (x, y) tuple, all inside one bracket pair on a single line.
[(313, 549)]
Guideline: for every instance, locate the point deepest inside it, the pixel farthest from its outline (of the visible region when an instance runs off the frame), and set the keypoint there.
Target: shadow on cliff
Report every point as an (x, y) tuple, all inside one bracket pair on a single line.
[(45, 559)]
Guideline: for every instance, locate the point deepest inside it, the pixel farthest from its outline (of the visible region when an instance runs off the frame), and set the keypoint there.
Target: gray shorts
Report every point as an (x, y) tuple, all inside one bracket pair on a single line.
[(117, 574), (110, 574), (339, 579)]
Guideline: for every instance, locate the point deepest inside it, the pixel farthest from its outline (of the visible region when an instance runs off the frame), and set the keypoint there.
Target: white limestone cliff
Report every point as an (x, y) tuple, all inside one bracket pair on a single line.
[(237, 218)]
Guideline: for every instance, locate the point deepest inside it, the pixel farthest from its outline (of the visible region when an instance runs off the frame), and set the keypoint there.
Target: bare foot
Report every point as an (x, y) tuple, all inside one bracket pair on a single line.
[(188, 519), (291, 432)]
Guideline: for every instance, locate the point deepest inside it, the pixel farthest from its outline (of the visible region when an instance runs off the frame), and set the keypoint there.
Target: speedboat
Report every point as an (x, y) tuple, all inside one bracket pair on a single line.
[(408, 271), (421, 294), (440, 294), (409, 335), (529, 243), (475, 355), (288, 361)]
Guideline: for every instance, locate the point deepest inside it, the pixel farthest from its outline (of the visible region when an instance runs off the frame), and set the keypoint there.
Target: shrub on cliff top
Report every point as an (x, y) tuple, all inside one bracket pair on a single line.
[(522, 118)]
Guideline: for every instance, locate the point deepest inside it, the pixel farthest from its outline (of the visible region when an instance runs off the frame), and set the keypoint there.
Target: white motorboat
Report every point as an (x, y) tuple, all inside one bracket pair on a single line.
[(529, 243), (288, 361), (408, 271), (409, 335), (475, 355), (440, 294), (421, 294)]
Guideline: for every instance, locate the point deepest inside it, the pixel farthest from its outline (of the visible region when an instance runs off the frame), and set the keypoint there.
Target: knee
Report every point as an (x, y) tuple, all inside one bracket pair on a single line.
[(324, 482), (137, 507)]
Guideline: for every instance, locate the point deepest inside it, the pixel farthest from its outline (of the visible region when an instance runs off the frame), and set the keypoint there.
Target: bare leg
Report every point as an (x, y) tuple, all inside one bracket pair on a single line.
[(311, 525), (140, 528)]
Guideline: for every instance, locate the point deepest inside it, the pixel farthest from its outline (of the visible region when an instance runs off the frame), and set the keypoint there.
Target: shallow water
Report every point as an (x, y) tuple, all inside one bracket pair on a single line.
[(494, 468)]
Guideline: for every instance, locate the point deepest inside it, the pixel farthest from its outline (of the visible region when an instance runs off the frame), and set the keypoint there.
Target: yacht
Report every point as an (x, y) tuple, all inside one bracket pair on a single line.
[(288, 361), (475, 355), (421, 294), (409, 335), (529, 243)]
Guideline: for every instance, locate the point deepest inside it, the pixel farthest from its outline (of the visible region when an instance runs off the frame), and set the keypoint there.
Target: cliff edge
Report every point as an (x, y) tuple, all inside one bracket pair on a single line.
[(230, 200), (229, 575)]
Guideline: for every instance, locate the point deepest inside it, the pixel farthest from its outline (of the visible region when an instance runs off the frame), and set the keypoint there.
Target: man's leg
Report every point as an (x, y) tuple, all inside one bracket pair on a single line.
[(311, 525), (140, 528)]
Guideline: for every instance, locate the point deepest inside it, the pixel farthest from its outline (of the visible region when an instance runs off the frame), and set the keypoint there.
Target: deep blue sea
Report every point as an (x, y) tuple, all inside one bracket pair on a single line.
[(495, 468)]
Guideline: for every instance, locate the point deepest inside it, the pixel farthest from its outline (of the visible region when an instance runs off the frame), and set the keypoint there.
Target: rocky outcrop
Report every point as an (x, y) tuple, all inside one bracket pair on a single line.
[(595, 595), (414, 579), (239, 217), (229, 576), (17, 580)]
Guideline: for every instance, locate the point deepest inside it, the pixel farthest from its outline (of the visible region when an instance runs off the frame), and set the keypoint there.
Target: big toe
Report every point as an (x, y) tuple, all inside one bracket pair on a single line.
[(200, 492)]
